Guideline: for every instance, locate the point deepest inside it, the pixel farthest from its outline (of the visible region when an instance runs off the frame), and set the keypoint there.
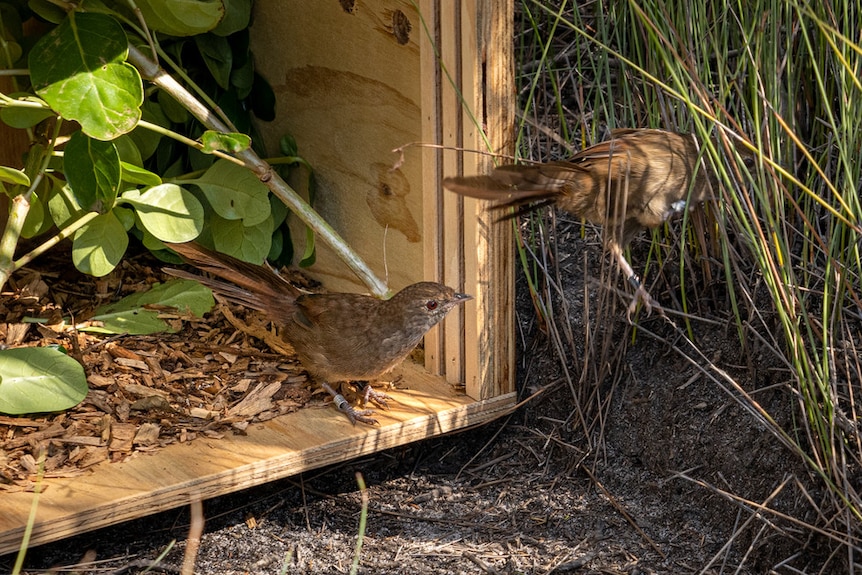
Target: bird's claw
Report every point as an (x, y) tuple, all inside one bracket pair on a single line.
[(351, 412), (641, 297), (378, 398)]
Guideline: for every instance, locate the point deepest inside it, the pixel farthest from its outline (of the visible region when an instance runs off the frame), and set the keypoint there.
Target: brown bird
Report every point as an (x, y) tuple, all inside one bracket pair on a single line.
[(338, 337), (634, 181)]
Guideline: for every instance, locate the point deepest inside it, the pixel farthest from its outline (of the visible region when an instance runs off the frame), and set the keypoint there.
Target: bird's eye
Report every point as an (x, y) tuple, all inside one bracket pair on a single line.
[(431, 305)]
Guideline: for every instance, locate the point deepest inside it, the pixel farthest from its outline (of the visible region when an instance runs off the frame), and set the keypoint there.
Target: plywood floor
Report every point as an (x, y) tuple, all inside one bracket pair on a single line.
[(285, 446)]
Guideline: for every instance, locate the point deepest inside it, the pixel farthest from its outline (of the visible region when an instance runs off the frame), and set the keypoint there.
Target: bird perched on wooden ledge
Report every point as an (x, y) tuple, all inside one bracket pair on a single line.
[(633, 181), (337, 337)]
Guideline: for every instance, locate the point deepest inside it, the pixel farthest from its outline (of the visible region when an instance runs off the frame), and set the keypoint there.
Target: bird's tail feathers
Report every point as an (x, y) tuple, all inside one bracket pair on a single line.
[(228, 291), (254, 286), (519, 187)]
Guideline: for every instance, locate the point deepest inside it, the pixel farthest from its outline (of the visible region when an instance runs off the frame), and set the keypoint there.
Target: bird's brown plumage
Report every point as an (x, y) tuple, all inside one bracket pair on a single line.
[(633, 181), (337, 336)]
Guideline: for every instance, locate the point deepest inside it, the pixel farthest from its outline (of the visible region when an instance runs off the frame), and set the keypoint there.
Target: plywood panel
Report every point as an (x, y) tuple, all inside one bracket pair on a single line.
[(482, 120), (347, 85)]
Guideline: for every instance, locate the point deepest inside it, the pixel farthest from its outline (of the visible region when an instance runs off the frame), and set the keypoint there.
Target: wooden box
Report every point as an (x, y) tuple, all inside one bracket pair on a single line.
[(355, 80)]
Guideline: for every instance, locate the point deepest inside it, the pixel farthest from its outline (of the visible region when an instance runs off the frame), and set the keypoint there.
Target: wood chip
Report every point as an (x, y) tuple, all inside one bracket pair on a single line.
[(82, 440), (120, 352), (122, 435), (138, 390), (16, 332), (97, 380), (93, 456), (202, 413), (257, 401), (148, 434), (56, 430), (133, 363)]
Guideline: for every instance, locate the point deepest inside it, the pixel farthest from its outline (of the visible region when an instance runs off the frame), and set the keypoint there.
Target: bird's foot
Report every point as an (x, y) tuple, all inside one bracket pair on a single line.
[(641, 297), (351, 412), (378, 398)]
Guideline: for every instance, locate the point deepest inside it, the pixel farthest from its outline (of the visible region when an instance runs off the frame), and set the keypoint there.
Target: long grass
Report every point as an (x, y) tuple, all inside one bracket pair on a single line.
[(784, 239)]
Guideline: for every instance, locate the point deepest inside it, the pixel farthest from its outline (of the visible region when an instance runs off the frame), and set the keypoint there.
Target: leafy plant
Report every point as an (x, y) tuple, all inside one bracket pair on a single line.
[(158, 146), (115, 157)]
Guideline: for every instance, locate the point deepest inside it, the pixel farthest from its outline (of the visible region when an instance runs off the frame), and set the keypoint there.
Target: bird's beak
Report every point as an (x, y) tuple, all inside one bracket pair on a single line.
[(459, 297)]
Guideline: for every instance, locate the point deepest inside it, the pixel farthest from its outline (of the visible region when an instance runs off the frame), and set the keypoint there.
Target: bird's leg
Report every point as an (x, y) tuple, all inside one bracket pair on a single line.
[(641, 294), (344, 406)]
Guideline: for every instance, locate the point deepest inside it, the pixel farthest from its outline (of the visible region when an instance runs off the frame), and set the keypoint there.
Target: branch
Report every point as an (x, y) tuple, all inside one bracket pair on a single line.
[(152, 72)]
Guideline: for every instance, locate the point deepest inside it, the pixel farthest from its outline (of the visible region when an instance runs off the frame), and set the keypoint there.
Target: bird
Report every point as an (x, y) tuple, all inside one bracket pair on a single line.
[(338, 337), (635, 180)]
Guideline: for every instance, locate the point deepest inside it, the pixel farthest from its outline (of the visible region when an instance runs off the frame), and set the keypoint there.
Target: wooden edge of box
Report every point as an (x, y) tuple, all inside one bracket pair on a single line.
[(312, 437), (474, 103)]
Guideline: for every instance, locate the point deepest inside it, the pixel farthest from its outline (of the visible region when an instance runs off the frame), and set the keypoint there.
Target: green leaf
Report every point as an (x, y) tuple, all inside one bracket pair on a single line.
[(99, 246), (217, 56), (34, 222), (242, 79), (47, 10), (278, 209), (171, 108), (25, 116), (13, 176), (237, 16), (63, 205), (309, 256), (276, 248), (10, 52), (38, 380), (134, 175), (199, 161), (144, 138), (287, 146), (235, 193), (150, 241), (233, 142), (285, 258), (182, 17), (10, 17), (79, 68), (128, 150), (132, 314), (41, 219), (92, 168), (248, 243), (169, 212), (125, 216)]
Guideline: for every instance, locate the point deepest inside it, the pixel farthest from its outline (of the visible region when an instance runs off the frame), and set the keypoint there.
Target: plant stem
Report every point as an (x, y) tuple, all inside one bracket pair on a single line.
[(37, 163), (54, 240), (152, 72), (186, 141)]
